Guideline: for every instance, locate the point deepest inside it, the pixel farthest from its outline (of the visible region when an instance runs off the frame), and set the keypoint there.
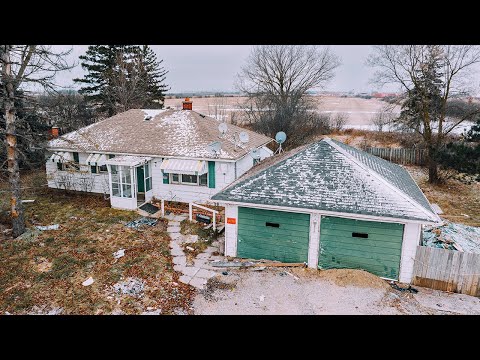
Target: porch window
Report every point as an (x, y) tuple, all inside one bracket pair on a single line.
[(148, 178), (189, 179), (121, 181), (203, 180), (175, 179)]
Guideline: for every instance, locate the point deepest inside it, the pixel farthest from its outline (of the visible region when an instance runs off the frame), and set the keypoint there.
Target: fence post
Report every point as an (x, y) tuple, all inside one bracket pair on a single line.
[(190, 212), (163, 207)]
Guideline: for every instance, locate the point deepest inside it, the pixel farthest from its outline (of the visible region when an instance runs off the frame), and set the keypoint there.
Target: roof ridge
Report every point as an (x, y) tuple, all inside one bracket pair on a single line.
[(379, 177)]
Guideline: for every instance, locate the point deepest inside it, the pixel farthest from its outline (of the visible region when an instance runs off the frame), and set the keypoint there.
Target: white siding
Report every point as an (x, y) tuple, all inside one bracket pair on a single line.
[(231, 211), (224, 175), (265, 152), (99, 182), (314, 242), (411, 239), (244, 164)]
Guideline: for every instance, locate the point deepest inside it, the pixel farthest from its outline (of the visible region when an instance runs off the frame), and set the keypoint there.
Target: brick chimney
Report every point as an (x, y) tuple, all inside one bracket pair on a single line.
[(55, 132), (187, 104)]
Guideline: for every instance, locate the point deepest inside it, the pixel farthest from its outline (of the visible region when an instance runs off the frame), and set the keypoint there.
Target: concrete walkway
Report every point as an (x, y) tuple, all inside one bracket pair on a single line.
[(198, 273)]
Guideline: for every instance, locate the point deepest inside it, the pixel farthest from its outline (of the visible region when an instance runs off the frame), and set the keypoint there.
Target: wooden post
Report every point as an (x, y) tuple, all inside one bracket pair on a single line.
[(163, 207), (190, 212), (214, 221)]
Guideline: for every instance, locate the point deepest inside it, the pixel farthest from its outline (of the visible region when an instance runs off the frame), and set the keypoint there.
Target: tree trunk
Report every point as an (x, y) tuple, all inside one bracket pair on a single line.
[(433, 177), (18, 221)]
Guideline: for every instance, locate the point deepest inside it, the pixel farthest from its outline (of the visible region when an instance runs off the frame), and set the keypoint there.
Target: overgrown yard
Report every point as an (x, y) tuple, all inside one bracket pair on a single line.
[(44, 271), (459, 202)]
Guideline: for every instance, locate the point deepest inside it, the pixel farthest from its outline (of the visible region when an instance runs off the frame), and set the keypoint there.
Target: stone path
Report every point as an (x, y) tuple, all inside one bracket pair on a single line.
[(197, 274)]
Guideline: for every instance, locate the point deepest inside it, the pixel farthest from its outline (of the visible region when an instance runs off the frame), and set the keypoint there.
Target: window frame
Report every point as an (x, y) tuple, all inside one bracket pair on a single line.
[(181, 182), (121, 183)]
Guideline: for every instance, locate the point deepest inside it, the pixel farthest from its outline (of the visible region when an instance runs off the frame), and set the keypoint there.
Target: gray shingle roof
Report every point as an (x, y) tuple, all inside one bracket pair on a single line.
[(331, 176), (180, 133)]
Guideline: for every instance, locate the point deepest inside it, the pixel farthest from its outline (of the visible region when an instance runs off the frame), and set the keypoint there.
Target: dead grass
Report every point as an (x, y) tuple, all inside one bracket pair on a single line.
[(48, 268), (350, 277), (455, 198)]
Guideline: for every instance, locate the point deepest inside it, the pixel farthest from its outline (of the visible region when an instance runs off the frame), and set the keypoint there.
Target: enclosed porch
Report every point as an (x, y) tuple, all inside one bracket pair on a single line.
[(130, 181)]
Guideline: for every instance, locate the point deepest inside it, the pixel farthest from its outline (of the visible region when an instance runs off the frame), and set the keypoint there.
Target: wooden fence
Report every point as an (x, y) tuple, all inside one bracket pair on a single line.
[(400, 155), (447, 270)]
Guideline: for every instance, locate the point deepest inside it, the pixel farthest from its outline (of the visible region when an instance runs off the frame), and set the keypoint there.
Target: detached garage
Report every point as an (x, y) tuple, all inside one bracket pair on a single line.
[(328, 205)]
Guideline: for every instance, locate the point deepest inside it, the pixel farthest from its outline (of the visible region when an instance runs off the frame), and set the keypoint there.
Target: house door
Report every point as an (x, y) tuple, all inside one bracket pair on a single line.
[(140, 183)]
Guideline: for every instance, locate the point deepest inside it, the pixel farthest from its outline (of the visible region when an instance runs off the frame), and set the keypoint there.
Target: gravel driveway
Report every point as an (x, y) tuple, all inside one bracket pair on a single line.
[(306, 292)]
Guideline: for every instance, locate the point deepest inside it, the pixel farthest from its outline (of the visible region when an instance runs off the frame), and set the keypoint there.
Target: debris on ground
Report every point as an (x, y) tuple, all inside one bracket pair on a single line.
[(135, 224), (262, 298), (352, 277), (394, 285), (190, 248), (295, 277), (224, 272), (131, 286), (152, 312), (260, 268), (88, 282), (453, 236), (45, 310), (118, 254), (257, 264), (48, 227), (27, 201)]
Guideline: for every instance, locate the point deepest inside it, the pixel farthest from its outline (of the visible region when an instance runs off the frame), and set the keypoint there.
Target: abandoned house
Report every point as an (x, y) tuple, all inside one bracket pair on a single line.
[(331, 206), (174, 155)]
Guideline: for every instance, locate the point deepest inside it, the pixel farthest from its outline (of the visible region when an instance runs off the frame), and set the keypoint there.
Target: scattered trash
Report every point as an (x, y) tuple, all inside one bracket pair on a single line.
[(49, 227), (88, 282), (152, 312), (135, 224), (118, 254), (453, 236), (27, 201), (282, 273), (7, 313), (262, 298), (7, 231), (224, 272), (131, 286), (409, 288), (467, 216), (260, 268), (189, 248), (439, 305), (295, 277)]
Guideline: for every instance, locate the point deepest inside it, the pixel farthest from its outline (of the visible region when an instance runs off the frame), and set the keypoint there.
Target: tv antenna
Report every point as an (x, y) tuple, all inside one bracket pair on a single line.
[(242, 138), (215, 148), (255, 154), (223, 129), (280, 138)]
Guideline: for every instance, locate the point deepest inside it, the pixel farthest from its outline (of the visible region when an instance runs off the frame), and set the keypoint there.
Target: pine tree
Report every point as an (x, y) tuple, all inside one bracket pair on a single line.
[(422, 108), (120, 77)]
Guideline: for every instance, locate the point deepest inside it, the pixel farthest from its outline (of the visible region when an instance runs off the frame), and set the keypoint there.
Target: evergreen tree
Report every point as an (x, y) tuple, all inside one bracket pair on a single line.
[(120, 77)]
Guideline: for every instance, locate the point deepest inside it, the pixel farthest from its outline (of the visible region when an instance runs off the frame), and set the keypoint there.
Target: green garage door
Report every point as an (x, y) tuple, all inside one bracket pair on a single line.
[(273, 235), (372, 246)]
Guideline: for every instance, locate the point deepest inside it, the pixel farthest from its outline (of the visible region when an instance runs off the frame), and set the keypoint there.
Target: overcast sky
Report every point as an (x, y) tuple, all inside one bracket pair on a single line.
[(213, 67)]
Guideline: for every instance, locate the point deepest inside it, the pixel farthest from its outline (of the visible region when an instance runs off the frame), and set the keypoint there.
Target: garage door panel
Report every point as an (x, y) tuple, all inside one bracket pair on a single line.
[(288, 242), (378, 253)]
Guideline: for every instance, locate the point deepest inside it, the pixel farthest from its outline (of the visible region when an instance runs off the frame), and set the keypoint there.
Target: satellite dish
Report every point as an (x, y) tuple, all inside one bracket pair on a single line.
[(280, 137), (255, 153), (243, 136), (222, 128), (215, 147)]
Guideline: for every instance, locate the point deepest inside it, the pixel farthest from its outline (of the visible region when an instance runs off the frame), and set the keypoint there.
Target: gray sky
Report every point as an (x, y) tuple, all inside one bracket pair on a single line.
[(213, 67)]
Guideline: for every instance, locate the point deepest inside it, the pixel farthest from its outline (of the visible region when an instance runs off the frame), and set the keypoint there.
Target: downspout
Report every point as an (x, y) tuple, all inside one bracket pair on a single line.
[(235, 170)]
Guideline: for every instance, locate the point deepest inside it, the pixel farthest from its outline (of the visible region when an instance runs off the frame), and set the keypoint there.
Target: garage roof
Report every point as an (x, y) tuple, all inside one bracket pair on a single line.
[(332, 176)]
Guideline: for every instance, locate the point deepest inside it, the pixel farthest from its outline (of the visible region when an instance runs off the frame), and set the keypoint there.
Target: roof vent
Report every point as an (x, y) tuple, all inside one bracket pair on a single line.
[(147, 117)]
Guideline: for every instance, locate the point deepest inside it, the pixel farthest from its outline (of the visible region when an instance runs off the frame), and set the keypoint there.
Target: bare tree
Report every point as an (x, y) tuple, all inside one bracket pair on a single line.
[(23, 65), (276, 79), (338, 121), (431, 73), (383, 118)]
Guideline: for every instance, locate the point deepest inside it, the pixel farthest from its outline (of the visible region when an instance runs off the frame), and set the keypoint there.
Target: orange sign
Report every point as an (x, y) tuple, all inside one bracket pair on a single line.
[(231, 221)]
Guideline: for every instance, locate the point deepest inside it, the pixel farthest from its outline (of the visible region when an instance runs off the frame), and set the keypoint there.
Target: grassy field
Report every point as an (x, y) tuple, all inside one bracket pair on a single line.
[(45, 270)]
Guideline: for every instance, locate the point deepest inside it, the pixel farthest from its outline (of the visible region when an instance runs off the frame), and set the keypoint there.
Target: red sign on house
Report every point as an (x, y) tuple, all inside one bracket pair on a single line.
[(231, 221)]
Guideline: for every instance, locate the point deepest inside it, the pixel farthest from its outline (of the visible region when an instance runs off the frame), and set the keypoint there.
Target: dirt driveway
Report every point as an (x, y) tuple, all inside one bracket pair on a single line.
[(306, 292)]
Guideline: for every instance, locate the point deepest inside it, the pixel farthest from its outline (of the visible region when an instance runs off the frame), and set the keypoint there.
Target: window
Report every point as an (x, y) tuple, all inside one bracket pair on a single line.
[(256, 161), (60, 166), (76, 158), (121, 181), (98, 169), (185, 179), (111, 156), (93, 169), (148, 178), (189, 179), (102, 169), (203, 179)]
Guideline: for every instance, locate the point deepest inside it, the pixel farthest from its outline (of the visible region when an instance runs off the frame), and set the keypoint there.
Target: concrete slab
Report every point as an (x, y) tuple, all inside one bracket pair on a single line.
[(177, 252), (206, 274), (210, 250), (199, 283), (180, 260), (180, 217), (173, 229), (179, 268), (202, 256), (190, 271), (185, 279)]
